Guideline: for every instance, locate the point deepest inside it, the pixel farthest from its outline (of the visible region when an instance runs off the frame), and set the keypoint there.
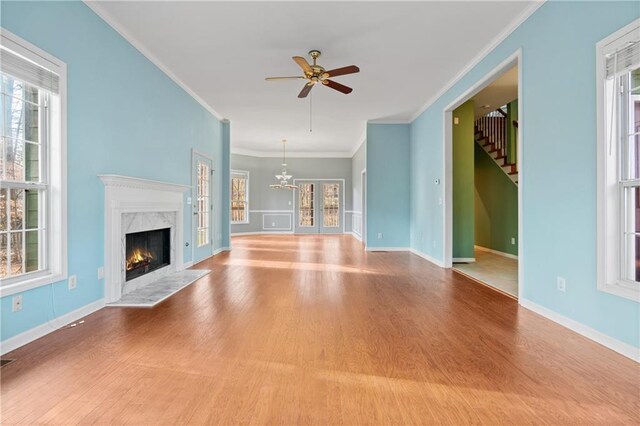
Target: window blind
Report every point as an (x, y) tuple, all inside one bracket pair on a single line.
[(623, 60), (30, 72)]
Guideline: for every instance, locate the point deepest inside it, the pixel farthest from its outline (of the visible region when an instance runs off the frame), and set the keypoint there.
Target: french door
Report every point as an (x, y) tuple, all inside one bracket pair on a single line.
[(202, 207), (319, 206)]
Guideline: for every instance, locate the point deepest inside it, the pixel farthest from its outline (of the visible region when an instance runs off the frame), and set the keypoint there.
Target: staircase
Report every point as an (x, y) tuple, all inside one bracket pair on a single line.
[(491, 135)]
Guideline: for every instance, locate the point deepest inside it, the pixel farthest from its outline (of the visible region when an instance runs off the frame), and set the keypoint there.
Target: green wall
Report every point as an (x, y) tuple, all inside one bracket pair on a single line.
[(463, 177), (496, 205)]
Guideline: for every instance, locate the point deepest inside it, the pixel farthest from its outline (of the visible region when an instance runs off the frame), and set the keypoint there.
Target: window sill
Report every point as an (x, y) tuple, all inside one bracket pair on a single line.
[(621, 290), (240, 223), (30, 283)]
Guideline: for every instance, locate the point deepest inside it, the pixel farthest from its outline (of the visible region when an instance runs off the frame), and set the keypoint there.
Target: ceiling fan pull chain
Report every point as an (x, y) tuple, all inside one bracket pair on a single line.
[(310, 112)]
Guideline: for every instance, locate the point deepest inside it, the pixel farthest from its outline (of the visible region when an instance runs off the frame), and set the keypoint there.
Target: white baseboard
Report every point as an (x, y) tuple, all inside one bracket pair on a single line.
[(41, 330), (501, 253), (387, 249), (354, 235), (187, 265), (584, 330), (464, 260), (220, 250), (427, 257), (239, 234)]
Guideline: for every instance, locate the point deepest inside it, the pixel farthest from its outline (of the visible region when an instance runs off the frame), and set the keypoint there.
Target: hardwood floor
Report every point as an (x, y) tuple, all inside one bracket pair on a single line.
[(297, 330)]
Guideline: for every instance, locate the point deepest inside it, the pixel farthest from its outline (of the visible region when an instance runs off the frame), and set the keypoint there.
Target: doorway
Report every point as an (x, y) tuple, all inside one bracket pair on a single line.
[(202, 204), (483, 183), (319, 206)]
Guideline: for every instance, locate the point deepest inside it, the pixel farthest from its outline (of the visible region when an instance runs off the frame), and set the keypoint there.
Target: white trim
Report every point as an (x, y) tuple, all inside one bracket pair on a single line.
[(387, 249), (239, 234), (511, 27), (427, 257), (97, 8), (41, 330), (187, 265), (464, 260), (609, 342), (291, 154), (289, 215), (364, 189), (353, 212), (354, 235), (607, 205), (447, 209), (57, 253), (500, 253)]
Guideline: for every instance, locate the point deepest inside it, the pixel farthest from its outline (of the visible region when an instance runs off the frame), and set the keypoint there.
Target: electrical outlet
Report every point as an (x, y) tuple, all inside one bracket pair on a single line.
[(562, 284), (73, 282), (513, 241), (101, 272), (379, 235), (289, 202), (16, 303), (273, 224), (440, 201)]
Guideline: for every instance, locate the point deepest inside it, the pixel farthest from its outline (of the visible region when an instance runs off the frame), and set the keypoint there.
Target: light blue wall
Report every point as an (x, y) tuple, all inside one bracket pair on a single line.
[(559, 161), (124, 117), (388, 185)]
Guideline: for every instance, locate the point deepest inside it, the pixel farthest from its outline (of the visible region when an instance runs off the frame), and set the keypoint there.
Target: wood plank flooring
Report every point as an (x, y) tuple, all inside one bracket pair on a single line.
[(313, 330)]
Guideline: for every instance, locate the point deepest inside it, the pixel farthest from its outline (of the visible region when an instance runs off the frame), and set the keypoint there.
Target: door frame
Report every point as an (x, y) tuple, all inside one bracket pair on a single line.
[(447, 210), (194, 196), (342, 205)]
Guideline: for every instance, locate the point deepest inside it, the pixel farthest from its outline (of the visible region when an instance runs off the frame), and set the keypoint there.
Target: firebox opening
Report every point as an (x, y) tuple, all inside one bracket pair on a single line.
[(146, 252)]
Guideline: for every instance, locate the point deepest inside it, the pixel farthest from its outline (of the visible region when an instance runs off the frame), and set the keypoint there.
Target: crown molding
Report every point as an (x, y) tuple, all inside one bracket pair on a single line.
[(292, 154), (106, 17), (480, 56)]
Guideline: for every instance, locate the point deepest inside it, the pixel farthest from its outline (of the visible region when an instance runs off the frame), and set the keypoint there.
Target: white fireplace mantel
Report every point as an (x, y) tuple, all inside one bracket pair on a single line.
[(125, 195)]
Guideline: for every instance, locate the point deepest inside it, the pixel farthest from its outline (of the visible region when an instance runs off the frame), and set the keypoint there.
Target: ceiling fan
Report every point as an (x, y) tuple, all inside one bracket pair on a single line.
[(316, 74)]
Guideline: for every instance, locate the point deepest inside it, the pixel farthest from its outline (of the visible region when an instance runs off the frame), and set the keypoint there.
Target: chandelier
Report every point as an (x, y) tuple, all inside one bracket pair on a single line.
[(283, 178)]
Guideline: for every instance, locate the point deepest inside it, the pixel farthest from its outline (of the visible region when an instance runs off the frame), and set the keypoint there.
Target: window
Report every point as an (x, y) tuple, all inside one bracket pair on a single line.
[(307, 212), (203, 206), (239, 197), (331, 205), (32, 151), (619, 162)]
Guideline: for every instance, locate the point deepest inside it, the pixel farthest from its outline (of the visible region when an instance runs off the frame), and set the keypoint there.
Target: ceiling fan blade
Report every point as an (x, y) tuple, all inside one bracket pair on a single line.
[(303, 64), (305, 90), (284, 78), (342, 71), (337, 86)]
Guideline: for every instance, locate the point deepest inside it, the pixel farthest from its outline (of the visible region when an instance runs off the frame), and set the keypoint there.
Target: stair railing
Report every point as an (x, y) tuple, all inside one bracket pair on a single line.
[(494, 129)]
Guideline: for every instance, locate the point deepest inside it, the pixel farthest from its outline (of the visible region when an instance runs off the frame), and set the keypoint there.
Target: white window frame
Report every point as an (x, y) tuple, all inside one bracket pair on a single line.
[(609, 231), (56, 206), (246, 175)]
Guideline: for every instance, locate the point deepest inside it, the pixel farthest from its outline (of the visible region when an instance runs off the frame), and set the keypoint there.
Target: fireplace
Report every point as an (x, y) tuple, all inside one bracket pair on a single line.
[(146, 252)]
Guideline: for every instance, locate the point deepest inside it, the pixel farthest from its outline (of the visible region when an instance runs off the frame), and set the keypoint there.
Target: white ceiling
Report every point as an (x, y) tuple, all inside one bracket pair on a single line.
[(221, 52)]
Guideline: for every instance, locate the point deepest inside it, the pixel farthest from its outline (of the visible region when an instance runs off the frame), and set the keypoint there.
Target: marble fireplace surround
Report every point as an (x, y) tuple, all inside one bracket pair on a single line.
[(135, 205)]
